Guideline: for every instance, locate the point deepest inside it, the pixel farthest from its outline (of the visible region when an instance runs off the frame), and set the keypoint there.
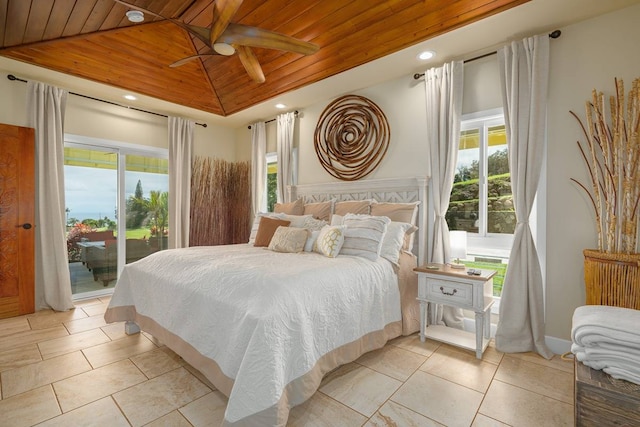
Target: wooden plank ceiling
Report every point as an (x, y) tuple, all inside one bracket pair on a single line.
[(93, 39)]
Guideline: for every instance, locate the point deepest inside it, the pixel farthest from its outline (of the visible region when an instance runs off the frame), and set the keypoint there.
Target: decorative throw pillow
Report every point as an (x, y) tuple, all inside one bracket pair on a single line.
[(289, 239), (330, 240), (394, 239), (399, 212), (267, 228), (256, 224), (364, 234), (321, 210), (293, 208)]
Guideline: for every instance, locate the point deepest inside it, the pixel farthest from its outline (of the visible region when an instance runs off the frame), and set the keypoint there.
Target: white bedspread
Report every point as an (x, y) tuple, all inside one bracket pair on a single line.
[(264, 317)]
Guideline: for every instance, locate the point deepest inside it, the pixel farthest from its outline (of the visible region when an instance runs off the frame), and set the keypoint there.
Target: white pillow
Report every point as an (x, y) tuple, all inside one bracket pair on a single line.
[(394, 239), (364, 234), (311, 240), (256, 223), (336, 219), (330, 240)]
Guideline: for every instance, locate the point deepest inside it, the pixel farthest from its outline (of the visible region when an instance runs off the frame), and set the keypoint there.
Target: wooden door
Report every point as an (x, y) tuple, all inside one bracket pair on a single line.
[(17, 213)]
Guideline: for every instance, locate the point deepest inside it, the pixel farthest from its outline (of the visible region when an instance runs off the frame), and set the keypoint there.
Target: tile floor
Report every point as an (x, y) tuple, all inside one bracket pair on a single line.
[(72, 369)]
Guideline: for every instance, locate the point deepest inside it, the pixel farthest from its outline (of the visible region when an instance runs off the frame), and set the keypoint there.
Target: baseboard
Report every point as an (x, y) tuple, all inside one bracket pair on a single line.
[(556, 345)]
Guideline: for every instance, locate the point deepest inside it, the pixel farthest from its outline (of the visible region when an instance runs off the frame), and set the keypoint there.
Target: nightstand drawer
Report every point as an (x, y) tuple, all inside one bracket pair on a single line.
[(449, 293)]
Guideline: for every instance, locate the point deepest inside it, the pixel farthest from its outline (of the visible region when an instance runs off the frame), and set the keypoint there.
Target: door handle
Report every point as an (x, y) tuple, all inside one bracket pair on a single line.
[(26, 226)]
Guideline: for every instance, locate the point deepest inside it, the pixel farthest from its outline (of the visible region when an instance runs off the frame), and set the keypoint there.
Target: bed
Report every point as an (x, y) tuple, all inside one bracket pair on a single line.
[(263, 326)]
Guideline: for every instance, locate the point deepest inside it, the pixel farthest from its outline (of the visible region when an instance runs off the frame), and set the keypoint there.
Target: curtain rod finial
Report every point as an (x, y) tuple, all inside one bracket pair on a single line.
[(555, 34)]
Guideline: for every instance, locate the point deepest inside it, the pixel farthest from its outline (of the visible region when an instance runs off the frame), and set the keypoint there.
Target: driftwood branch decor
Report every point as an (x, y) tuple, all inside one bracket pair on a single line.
[(612, 156), (220, 202), (351, 137)]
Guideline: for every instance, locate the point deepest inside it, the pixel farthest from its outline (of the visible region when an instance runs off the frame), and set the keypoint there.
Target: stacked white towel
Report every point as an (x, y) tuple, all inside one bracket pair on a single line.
[(608, 338)]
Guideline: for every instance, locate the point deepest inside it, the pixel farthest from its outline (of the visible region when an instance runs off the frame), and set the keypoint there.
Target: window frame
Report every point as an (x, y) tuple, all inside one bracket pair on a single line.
[(498, 243)]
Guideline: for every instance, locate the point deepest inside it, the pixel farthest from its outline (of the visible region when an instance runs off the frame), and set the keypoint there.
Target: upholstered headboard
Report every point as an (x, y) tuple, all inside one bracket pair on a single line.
[(392, 190)]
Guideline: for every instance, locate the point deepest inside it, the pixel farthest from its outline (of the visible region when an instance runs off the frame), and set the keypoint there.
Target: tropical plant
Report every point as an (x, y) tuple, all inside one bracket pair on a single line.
[(73, 236), (612, 156), (158, 216)]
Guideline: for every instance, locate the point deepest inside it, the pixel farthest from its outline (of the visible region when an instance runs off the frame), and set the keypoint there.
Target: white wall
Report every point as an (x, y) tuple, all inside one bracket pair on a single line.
[(96, 119), (587, 55)]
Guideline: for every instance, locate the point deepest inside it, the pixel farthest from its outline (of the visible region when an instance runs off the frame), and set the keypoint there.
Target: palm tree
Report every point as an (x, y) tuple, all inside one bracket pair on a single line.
[(158, 207)]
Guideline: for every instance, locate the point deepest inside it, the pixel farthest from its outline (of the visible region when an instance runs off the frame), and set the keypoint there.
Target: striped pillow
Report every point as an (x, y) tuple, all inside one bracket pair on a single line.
[(364, 234)]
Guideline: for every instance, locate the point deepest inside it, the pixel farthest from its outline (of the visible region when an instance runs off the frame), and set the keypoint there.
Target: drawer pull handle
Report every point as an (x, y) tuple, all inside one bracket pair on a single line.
[(448, 293)]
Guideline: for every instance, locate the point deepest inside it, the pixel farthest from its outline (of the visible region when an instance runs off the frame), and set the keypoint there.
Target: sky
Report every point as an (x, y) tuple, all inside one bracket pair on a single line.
[(92, 192)]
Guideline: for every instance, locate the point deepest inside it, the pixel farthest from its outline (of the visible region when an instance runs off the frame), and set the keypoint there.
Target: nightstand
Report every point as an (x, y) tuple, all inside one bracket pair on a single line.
[(441, 284)]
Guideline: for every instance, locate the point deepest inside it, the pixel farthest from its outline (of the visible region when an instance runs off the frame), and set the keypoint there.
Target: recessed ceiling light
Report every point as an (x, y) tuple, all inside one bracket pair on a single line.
[(281, 106), (135, 16), (427, 54), (130, 97)]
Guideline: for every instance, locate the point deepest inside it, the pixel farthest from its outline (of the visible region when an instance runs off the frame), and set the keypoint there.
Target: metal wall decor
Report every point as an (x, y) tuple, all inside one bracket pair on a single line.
[(351, 137)]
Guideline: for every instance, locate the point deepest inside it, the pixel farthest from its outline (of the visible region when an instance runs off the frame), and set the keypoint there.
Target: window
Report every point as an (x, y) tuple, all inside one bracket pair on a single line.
[(272, 180), (481, 202)]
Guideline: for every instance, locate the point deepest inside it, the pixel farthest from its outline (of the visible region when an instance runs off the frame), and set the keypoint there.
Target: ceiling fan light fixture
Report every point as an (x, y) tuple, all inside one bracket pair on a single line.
[(135, 16), (224, 49)]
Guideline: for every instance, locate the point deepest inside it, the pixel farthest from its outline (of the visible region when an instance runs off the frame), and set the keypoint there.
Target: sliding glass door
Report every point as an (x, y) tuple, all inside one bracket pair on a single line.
[(117, 209)]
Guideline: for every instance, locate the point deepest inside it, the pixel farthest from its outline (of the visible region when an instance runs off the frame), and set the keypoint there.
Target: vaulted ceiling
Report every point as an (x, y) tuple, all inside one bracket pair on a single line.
[(93, 39)]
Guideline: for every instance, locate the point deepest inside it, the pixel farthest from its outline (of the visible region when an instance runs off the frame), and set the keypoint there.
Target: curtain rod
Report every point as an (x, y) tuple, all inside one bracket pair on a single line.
[(553, 35), (14, 78), (273, 120)]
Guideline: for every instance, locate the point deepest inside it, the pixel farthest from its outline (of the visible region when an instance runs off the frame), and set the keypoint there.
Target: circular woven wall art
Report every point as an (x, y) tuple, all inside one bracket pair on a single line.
[(351, 137)]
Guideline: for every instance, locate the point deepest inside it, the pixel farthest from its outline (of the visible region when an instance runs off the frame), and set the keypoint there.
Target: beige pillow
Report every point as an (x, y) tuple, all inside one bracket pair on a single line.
[(352, 206), (293, 208), (399, 212), (289, 239), (321, 210), (267, 228)]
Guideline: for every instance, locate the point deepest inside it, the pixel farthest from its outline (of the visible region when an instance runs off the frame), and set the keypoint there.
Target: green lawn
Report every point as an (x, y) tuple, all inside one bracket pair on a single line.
[(498, 279)]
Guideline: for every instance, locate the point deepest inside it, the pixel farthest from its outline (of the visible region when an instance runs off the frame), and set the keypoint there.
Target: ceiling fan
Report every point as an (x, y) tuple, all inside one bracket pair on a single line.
[(225, 38)]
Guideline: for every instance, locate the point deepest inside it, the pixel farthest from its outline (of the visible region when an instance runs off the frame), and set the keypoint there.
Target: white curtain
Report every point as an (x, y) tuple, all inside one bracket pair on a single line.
[(524, 71), (180, 155), (284, 133), (45, 106), (444, 108), (258, 167)]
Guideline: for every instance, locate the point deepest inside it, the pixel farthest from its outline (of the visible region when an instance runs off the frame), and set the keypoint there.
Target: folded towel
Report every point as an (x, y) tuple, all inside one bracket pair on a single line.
[(608, 338), (594, 324), (623, 374)]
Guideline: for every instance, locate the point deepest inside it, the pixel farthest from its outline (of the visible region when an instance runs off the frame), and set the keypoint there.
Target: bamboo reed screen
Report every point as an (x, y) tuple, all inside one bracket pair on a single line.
[(220, 202)]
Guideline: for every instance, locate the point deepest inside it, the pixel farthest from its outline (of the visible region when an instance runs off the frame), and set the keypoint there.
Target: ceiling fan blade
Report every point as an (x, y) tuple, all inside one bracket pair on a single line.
[(189, 58), (223, 11), (250, 63), (201, 33), (245, 35)]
